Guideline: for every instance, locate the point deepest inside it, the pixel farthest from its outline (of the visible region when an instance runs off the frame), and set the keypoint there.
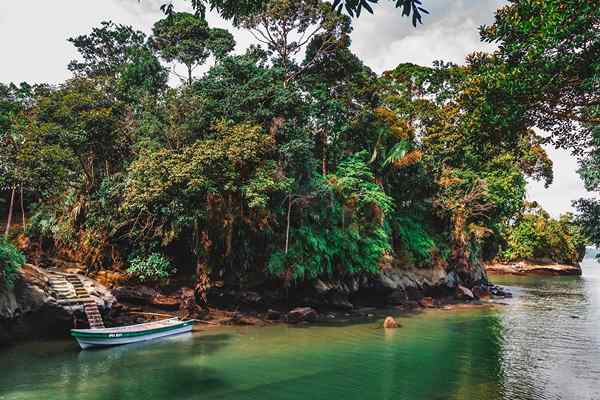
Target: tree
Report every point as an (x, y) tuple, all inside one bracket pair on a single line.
[(121, 54), (13, 101), (535, 235), (287, 26), (220, 43), (549, 62), (182, 37), (105, 49)]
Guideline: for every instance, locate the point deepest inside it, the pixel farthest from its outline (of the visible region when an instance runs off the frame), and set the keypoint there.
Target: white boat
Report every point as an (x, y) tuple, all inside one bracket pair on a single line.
[(103, 337)]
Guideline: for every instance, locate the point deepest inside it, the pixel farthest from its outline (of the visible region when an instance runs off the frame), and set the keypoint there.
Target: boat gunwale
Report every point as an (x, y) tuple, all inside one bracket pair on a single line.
[(109, 333)]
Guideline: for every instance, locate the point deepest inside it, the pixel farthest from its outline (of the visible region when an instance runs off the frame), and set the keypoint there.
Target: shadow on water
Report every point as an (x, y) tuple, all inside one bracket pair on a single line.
[(155, 369)]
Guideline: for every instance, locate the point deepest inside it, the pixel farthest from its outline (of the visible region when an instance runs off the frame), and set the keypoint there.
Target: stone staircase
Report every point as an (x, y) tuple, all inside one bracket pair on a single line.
[(93, 315), (70, 291)]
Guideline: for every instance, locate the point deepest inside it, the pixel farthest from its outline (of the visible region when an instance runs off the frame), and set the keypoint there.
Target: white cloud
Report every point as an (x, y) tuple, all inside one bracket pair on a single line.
[(567, 184)]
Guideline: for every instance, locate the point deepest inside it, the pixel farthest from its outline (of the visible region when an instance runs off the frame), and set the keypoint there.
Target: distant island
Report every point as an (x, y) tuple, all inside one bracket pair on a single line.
[(538, 244)]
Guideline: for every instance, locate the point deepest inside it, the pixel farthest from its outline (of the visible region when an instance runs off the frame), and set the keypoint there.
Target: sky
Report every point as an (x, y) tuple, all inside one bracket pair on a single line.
[(34, 48)]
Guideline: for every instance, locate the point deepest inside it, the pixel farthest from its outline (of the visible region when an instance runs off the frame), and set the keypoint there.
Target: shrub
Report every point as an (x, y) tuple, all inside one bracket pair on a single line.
[(155, 267), (11, 260)]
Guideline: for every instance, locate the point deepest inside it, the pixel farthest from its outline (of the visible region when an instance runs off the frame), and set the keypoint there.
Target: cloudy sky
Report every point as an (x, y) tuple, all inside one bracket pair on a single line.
[(33, 42)]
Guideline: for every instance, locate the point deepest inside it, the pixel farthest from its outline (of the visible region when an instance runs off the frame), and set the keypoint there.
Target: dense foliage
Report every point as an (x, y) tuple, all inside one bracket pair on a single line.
[(288, 161), (11, 260), (537, 236), (155, 267)]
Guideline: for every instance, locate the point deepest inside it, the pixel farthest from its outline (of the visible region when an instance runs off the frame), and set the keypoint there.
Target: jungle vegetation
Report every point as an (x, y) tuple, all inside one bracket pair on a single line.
[(292, 159)]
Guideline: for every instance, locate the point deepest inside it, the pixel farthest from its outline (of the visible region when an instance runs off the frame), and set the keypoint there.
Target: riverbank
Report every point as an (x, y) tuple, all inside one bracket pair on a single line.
[(34, 309), (537, 267)]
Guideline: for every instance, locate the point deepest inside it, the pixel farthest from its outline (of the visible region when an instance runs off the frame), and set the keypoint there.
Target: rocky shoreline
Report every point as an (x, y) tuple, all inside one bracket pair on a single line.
[(31, 310), (534, 267)]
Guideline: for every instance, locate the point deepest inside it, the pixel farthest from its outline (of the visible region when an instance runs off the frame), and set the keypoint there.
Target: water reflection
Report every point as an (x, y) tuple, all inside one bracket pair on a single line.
[(551, 328)]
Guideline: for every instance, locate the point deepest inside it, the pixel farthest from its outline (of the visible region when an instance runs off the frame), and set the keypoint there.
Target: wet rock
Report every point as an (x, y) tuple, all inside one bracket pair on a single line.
[(143, 295), (188, 308), (390, 323), (134, 294), (273, 315), (481, 292), (426, 302), (250, 298), (452, 280), (464, 293), (498, 291), (398, 296), (302, 314)]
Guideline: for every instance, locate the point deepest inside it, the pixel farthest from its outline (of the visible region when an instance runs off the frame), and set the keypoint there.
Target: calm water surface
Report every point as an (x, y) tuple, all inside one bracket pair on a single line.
[(545, 344)]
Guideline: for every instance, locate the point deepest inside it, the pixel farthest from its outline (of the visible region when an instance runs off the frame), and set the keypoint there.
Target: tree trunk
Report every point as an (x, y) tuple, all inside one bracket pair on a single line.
[(22, 210), (10, 211), (202, 283), (189, 67), (287, 229), (323, 138)]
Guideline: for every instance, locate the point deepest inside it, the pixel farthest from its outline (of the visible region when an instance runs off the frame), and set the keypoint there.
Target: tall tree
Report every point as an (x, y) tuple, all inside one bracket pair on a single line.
[(182, 37), (105, 49), (286, 27)]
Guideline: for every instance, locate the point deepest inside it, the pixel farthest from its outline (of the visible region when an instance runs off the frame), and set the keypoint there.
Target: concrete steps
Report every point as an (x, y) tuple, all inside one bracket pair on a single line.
[(69, 290)]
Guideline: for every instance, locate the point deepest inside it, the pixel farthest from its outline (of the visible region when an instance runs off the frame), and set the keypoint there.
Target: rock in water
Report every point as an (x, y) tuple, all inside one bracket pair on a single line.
[(302, 314), (390, 323)]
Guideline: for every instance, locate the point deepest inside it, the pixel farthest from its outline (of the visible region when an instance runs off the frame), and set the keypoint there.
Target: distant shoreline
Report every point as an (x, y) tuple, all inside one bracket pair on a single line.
[(533, 267)]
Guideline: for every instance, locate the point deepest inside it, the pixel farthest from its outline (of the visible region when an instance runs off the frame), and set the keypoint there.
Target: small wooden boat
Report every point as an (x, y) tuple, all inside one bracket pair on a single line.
[(102, 337)]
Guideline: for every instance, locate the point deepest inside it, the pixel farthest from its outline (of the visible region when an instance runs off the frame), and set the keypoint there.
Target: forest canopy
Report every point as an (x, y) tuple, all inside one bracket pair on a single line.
[(292, 160)]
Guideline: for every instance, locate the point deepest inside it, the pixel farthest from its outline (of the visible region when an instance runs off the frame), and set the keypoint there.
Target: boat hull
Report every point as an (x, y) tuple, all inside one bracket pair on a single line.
[(92, 339)]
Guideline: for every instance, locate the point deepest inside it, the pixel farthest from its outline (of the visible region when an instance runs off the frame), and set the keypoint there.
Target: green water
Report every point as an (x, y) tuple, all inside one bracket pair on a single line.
[(544, 344)]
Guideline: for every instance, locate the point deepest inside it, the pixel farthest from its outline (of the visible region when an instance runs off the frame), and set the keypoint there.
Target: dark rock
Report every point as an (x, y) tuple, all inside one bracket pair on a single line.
[(250, 298), (481, 292), (426, 302), (143, 295), (398, 296), (188, 308), (273, 315), (452, 280), (135, 294), (302, 314)]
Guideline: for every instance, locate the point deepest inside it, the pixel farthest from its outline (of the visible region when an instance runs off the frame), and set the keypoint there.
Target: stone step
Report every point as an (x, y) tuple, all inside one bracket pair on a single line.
[(75, 300)]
